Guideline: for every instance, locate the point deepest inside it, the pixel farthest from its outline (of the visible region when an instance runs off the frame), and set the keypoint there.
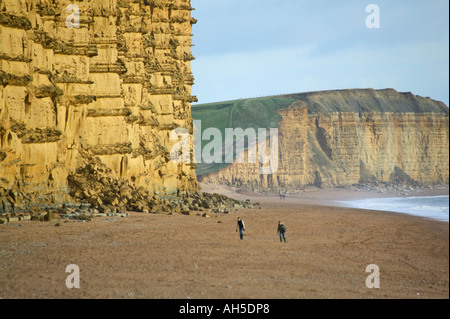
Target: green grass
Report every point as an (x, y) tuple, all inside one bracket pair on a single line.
[(255, 113), (247, 113)]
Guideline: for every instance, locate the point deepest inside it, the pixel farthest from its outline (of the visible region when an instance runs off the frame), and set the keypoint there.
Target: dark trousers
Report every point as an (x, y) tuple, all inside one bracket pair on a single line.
[(282, 236)]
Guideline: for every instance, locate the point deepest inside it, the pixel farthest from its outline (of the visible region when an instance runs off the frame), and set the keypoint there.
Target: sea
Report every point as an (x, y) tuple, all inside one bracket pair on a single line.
[(433, 207)]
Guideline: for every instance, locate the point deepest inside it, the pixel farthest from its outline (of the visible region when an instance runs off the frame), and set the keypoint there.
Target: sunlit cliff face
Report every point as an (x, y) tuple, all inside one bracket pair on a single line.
[(107, 79)]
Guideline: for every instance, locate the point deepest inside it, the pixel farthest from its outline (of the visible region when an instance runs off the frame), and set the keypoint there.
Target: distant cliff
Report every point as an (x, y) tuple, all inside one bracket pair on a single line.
[(347, 137), (98, 96)]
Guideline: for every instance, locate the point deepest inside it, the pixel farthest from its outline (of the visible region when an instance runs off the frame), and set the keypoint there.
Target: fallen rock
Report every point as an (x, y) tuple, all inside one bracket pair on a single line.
[(51, 217), (12, 219)]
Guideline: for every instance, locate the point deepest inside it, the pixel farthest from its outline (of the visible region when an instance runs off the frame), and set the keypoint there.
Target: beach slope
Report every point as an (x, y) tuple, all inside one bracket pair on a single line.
[(177, 256)]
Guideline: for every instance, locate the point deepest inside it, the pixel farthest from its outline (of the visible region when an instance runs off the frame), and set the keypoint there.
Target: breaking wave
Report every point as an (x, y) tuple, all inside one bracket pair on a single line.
[(434, 207)]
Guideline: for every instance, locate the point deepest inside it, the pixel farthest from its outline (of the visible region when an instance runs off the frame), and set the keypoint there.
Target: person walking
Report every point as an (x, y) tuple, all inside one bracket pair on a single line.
[(282, 231), (241, 227)]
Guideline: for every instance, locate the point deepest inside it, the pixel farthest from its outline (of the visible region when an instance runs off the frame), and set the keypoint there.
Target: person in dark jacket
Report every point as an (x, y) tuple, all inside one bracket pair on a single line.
[(282, 231), (241, 227)]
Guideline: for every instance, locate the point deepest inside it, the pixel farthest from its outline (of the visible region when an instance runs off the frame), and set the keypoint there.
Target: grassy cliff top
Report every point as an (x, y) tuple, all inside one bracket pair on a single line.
[(369, 100), (323, 102)]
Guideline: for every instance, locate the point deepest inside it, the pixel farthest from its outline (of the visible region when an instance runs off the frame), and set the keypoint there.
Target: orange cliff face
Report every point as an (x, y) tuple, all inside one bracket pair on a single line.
[(108, 87), (340, 148)]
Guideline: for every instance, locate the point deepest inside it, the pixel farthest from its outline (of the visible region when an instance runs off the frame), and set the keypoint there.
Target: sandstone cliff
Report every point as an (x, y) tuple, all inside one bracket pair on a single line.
[(340, 138), (109, 90)]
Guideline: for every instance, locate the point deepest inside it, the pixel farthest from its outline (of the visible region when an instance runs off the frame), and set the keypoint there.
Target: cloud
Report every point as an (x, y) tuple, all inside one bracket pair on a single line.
[(301, 69), (253, 48)]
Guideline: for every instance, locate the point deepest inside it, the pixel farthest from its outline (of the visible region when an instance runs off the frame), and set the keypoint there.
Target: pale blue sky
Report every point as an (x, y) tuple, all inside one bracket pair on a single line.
[(248, 48)]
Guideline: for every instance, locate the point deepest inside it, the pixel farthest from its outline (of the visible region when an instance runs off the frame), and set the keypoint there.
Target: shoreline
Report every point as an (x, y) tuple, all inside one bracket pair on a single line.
[(321, 196), (329, 197)]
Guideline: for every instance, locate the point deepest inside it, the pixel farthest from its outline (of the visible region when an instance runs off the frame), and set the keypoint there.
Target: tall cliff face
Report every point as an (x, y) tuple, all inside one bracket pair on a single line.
[(111, 88), (339, 138)]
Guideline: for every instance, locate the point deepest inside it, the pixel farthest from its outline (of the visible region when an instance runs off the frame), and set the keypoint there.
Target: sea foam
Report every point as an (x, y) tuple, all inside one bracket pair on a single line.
[(434, 207)]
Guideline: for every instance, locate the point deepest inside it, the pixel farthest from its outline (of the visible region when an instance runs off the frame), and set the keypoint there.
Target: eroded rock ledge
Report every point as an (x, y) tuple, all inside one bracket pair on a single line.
[(95, 191)]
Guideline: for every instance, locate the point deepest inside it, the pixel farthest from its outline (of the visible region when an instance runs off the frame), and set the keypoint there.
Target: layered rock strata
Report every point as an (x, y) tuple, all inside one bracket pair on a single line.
[(110, 85), (342, 138)]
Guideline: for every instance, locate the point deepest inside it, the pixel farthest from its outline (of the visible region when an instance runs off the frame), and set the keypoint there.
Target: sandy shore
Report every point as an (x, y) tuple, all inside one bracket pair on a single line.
[(177, 256), (319, 196)]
